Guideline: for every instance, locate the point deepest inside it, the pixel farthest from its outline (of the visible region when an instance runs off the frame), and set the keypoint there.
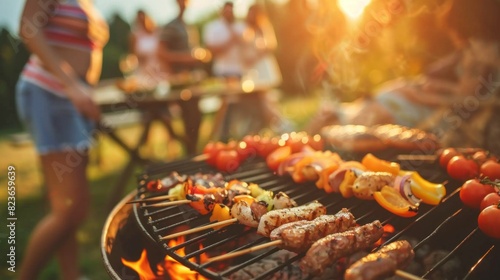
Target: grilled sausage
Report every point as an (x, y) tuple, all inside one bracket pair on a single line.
[(329, 249), (299, 236), (275, 218), (383, 263), (369, 182)]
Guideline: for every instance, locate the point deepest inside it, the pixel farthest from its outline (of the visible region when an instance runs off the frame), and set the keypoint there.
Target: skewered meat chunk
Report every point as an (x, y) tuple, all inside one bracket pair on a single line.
[(299, 236), (382, 263), (276, 218), (281, 201), (369, 182), (329, 249), (243, 212)]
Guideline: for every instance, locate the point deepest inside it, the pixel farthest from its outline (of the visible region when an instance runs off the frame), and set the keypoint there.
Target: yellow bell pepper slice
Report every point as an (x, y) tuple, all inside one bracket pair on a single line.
[(391, 200), (220, 213), (428, 192), (247, 198), (345, 187), (376, 164)]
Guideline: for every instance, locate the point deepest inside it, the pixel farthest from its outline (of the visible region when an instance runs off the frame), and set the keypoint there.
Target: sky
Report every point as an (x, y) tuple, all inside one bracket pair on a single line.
[(161, 10)]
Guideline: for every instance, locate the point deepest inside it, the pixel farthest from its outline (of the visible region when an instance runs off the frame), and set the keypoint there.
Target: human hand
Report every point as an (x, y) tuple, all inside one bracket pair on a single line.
[(80, 96)]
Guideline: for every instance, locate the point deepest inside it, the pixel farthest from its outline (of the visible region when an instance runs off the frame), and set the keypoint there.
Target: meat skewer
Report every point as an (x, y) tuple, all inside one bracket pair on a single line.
[(300, 235), (329, 249), (154, 198), (247, 215), (383, 263), (274, 219)]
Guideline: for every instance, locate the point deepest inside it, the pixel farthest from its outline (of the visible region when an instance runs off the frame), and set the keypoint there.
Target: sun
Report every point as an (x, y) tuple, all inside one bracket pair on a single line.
[(353, 8)]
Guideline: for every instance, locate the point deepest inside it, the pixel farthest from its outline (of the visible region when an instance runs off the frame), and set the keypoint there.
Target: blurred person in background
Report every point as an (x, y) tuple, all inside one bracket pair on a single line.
[(53, 98), (144, 43), (224, 38), (261, 66), (448, 83), (175, 53)]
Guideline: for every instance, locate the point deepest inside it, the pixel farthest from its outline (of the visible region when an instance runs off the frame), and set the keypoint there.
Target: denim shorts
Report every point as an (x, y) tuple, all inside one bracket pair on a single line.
[(53, 121)]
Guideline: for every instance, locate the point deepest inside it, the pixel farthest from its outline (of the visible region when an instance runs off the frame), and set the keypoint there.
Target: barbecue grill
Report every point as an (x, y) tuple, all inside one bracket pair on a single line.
[(449, 230)]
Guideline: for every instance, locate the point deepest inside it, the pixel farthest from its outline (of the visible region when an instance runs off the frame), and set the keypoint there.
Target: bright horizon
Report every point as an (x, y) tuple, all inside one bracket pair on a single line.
[(161, 11)]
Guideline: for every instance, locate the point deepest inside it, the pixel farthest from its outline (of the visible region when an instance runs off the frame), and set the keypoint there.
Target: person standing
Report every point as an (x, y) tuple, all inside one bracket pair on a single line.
[(53, 97), (175, 55), (224, 38), (261, 66), (144, 43)]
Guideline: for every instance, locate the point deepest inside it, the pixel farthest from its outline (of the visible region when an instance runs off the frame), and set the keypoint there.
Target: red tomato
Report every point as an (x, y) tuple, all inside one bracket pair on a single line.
[(490, 169), (316, 142), (473, 192), (480, 157), (275, 158), (227, 160), (266, 145), (446, 155), (244, 151), (231, 145), (462, 169), (211, 149), (489, 221), (490, 199)]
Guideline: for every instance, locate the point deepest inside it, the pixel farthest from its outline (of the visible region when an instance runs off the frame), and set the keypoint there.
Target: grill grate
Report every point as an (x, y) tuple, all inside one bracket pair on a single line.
[(448, 226)]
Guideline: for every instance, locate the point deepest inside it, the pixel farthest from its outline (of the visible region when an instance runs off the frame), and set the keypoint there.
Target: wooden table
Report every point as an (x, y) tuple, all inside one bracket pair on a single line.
[(153, 106)]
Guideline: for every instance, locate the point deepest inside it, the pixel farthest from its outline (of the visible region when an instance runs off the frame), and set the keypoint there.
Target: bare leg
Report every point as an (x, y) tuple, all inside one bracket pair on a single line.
[(68, 193)]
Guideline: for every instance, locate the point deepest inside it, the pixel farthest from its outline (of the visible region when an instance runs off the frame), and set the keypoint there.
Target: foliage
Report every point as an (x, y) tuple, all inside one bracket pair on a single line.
[(13, 55)]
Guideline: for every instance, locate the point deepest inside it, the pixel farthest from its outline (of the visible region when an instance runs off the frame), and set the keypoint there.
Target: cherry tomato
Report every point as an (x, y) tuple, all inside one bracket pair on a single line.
[(211, 149), (154, 186), (490, 199), (473, 192), (480, 157), (489, 221), (462, 169), (446, 155), (276, 157), (266, 145), (490, 169), (244, 151), (317, 142), (227, 160)]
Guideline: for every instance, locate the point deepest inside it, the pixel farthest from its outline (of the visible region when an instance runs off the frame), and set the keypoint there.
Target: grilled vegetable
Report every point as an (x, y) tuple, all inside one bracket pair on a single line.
[(428, 192), (392, 201), (376, 164), (220, 213)]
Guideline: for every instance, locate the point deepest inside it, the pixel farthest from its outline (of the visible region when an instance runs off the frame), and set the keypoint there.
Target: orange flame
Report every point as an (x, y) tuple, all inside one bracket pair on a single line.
[(141, 267), (178, 271), (388, 231), (171, 266)]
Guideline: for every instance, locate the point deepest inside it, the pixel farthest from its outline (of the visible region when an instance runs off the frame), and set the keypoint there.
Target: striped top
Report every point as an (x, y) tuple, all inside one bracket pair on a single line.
[(69, 26)]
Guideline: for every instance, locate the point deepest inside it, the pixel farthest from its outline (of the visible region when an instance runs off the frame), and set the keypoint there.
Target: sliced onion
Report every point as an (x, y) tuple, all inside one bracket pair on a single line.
[(403, 185), (287, 166), (336, 178)]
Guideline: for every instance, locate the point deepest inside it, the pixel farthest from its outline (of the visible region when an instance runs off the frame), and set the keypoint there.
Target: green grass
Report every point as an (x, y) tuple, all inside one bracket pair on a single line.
[(107, 161)]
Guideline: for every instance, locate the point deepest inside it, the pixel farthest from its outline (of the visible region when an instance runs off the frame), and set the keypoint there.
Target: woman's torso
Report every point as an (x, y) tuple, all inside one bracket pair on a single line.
[(77, 33)]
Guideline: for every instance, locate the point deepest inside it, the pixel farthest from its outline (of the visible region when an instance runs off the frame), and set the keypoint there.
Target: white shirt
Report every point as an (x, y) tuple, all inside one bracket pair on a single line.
[(217, 33)]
